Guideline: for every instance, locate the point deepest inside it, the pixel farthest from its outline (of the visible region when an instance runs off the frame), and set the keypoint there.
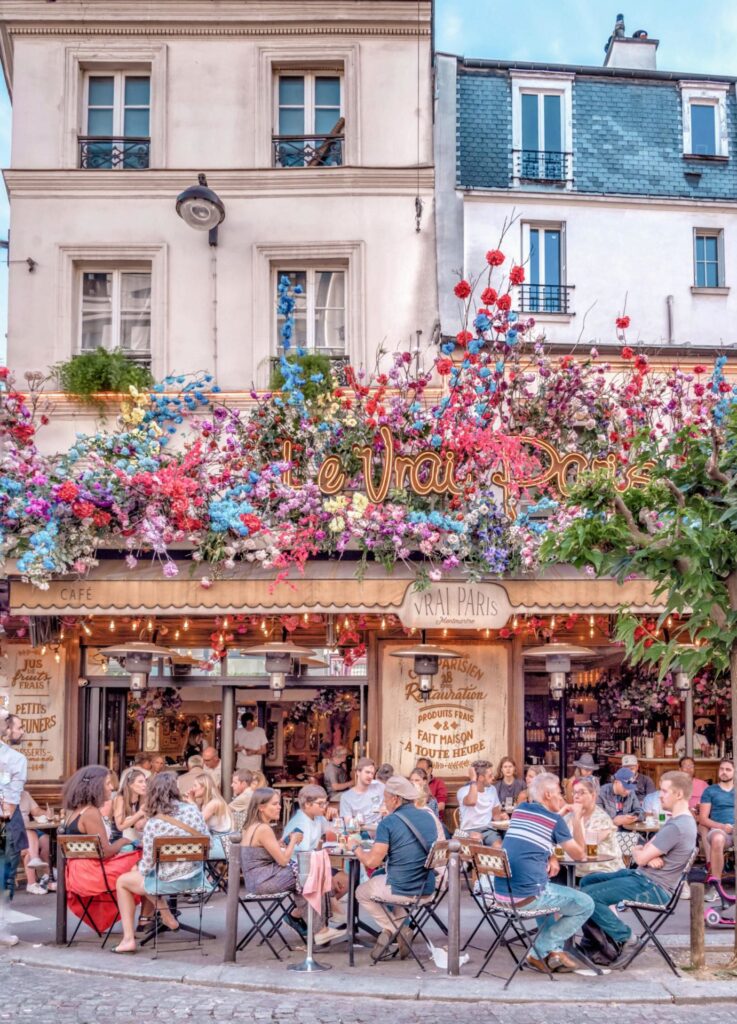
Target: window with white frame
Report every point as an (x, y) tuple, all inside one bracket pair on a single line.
[(542, 129), (545, 289), (308, 119), (705, 119), (115, 309), (117, 121), (708, 258), (320, 310)]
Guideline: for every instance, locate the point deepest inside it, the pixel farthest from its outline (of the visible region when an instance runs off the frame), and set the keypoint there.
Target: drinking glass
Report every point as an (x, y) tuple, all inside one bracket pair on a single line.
[(592, 844), (509, 805)]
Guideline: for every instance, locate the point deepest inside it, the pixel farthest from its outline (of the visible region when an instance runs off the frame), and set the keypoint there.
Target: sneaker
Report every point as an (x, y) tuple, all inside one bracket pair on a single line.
[(329, 934), (6, 939), (37, 890), (710, 893), (36, 862), (686, 891)]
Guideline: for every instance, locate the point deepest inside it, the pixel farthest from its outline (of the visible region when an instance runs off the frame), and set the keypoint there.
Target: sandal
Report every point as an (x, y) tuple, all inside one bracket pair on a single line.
[(125, 952), (144, 921)]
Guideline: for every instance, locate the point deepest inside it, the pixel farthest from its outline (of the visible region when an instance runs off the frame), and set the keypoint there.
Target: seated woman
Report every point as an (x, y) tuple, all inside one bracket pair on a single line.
[(129, 814), (421, 780), (596, 822), (168, 815), (507, 785), (218, 816), (86, 792), (36, 857), (532, 771)]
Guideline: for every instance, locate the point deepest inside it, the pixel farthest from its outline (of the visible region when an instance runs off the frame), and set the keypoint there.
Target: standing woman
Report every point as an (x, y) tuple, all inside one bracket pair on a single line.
[(218, 817), (129, 814), (195, 741), (508, 786)]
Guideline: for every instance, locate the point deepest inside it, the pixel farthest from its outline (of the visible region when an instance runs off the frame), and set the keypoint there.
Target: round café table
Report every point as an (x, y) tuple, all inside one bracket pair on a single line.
[(570, 865)]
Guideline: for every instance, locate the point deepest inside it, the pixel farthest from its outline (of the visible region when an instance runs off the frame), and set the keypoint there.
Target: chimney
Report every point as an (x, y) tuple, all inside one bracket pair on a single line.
[(636, 51)]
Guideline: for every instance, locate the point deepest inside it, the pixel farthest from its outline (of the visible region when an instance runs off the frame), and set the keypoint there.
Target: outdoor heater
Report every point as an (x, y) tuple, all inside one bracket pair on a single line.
[(137, 658), (280, 657), (682, 679), (558, 657), (427, 658)]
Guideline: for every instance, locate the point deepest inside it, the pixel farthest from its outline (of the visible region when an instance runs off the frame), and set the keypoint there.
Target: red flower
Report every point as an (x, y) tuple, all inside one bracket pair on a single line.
[(699, 369), (516, 275), (100, 517), (83, 509), (622, 322), (462, 289), (251, 522), (4, 371), (641, 363), (444, 366), (68, 491), (463, 337), (488, 296), (495, 258), (627, 352), (699, 390), (504, 301)]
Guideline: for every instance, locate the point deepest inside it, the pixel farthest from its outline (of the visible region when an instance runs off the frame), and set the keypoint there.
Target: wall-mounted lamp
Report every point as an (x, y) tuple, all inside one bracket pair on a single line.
[(201, 208)]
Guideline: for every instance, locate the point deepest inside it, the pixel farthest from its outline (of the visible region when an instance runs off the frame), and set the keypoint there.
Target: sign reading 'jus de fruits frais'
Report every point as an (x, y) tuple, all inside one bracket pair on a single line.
[(35, 686)]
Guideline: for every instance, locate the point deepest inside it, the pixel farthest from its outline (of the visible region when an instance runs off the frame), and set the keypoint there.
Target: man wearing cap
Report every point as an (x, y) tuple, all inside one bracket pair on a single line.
[(644, 785), (619, 799), (403, 839), (335, 776)]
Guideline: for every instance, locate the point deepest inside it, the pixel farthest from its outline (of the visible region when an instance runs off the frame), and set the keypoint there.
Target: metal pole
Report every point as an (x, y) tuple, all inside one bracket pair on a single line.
[(227, 740), (231, 900), (309, 964), (563, 737), (61, 898), (688, 710), (454, 907), (362, 721)]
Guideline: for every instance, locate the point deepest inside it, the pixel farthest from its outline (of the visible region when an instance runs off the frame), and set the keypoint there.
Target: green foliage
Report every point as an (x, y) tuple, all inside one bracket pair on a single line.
[(311, 364), (89, 373)]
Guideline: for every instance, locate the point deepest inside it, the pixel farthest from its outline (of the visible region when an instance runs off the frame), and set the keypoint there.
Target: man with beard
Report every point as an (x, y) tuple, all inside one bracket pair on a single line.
[(13, 774)]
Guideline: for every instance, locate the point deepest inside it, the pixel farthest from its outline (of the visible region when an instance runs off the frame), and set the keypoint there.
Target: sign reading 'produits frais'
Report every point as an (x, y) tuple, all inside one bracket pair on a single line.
[(456, 603)]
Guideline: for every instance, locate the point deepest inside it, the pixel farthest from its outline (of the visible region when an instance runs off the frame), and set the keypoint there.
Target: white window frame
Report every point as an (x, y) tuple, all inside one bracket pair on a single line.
[(119, 105), (552, 83), (310, 270), (720, 286), (117, 271), (708, 94), (547, 225), (309, 107)]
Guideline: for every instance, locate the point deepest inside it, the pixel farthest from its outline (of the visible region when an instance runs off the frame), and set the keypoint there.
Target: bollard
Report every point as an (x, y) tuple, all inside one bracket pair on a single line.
[(61, 898), (231, 902), (698, 955), (454, 907)]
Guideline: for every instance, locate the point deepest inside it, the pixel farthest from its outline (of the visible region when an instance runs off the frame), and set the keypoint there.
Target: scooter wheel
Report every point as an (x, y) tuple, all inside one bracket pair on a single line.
[(712, 917)]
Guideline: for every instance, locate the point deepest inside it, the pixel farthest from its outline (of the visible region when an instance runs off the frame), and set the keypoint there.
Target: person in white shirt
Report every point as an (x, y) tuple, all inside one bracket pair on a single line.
[(213, 766), (366, 797), (700, 744), (251, 743), (13, 775), (478, 803)]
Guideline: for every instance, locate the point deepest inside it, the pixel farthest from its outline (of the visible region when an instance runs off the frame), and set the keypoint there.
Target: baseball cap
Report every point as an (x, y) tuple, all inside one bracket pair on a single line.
[(397, 785), (629, 760), (627, 777)]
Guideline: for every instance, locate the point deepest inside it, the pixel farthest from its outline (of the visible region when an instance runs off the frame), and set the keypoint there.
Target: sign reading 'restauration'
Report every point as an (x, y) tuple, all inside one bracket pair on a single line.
[(464, 720)]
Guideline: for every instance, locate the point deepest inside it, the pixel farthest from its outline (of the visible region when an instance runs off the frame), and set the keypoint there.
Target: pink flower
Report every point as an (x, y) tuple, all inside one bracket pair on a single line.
[(170, 570)]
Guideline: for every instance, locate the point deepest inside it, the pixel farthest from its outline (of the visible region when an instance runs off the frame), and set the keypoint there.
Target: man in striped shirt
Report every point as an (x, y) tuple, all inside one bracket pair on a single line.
[(535, 829)]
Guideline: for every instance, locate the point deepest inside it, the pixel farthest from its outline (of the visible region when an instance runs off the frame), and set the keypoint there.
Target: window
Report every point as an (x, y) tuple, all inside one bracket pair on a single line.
[(705, 119), (708, 259), (542, 127), (545, 290), (308, 129), (117, 129), (703, 129), (115, 310), (320, 312)]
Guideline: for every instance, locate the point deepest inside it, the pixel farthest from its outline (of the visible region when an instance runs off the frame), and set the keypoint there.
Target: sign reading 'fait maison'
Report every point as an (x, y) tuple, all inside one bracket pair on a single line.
[(458, 604), (35, 685), (464, 720)]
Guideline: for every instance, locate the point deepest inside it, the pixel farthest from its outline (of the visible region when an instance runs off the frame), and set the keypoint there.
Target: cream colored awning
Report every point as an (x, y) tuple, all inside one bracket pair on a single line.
[(329, 586)]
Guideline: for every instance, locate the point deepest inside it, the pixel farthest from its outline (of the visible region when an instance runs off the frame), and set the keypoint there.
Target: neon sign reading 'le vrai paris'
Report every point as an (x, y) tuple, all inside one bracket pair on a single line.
[(429, 472)]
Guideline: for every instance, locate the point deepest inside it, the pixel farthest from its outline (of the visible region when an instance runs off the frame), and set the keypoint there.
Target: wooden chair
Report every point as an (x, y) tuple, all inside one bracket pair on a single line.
[(180, 850), (88, 848)]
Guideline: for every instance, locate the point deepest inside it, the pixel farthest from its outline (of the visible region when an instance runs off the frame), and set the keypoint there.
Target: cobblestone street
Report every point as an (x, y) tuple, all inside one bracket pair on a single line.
[(66, 997)]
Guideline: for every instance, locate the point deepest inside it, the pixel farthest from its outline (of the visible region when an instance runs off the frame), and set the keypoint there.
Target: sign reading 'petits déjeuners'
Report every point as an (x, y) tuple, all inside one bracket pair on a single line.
[(458, 604)]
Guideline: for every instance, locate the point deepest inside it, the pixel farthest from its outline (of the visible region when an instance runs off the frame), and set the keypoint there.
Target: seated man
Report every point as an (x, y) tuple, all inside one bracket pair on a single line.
[(404, 838), (478, 804), (366, 797), (619, 799), (644, 785), (660, 863), (242, 786), (185, 782), (535, 829), (716, 816)]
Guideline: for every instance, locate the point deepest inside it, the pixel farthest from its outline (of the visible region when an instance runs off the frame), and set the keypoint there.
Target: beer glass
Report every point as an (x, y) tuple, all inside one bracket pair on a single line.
[(592, 844)]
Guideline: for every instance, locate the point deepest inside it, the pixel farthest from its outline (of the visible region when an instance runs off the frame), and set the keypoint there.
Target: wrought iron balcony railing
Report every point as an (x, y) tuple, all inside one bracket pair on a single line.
[(542, 165), (107, 152), (308, 150), (545, 298)]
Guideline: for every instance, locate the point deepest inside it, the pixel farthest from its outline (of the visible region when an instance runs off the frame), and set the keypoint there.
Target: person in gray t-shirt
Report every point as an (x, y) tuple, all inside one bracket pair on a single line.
[(366, 797), (660, 863)]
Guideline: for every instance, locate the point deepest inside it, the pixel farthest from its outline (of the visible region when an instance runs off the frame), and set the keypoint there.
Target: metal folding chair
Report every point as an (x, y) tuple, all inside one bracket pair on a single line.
[(265, 914), (477, 896), (180, 850), (88, 848)]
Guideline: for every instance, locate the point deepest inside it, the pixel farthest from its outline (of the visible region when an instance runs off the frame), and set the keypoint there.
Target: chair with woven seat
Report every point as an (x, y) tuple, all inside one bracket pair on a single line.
[(660, 913), (493, 863), (192, 850), (475, 889), (83, 847)]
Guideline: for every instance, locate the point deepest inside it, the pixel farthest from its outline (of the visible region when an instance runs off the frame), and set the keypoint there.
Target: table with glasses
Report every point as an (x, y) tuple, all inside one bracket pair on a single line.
[(352, 865)]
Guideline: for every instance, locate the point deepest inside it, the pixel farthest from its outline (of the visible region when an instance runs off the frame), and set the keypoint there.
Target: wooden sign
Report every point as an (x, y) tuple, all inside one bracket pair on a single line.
[(35, 685), (457, 604)]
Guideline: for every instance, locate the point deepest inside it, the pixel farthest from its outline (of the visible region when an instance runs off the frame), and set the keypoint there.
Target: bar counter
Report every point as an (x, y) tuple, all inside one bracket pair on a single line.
[(654, 767)]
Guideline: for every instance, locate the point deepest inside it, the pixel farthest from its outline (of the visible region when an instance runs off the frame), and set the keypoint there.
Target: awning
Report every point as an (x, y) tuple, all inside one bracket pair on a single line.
[(326, 586)]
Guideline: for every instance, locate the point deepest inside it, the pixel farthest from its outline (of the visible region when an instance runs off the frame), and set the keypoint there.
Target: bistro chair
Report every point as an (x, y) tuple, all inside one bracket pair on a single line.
[(265, 916), (492, 863), (474, 886), (180, 850), (88, 848), (660, 912), (419, 909)]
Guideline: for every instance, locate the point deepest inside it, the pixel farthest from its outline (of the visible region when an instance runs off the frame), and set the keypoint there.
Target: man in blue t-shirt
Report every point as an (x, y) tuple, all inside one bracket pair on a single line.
[(404, 838), (716, 816), (535, 829)]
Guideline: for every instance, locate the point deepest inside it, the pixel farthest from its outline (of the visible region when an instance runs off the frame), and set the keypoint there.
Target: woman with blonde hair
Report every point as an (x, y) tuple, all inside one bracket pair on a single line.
[(218, 816), (418, 778)]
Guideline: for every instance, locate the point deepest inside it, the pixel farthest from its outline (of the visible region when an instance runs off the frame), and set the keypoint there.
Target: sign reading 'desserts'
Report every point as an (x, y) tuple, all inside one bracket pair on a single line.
[(459, 604)]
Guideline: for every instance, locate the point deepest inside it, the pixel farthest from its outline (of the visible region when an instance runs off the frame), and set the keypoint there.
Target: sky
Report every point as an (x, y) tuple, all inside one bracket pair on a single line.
[(694, 37)]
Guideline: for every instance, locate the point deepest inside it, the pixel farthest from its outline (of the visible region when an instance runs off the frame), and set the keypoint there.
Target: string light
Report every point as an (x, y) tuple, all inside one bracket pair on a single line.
[(150, 625), (87, 629), (514, 622), (383, 622), (305, 618), (43, 650), (185, 625), (445, 632), (552, 622), (225, 622), (487, 633), (111, 627), (61, 635), (346, 622), (669, 623), (176, 634), (136, 624), (57, 657)]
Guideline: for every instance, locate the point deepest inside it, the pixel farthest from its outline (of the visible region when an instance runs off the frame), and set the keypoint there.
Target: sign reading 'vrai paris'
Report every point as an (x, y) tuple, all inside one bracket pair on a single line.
[(456, 603)]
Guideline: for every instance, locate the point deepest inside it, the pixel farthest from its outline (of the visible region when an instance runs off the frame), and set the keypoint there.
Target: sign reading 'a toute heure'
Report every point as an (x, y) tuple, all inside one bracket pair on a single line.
[(456, 603)]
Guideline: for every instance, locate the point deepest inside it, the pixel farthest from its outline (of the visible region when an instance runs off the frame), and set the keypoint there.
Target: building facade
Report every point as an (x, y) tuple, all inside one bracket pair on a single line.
[(615, 187)]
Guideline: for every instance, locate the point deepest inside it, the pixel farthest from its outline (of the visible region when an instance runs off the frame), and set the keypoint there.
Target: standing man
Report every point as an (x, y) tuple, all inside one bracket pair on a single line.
[(478, 803), (644, 785), (716, 815), (366, 797), (335, 775), (13, 775), (213, 765), (438, 789), (251, 743)]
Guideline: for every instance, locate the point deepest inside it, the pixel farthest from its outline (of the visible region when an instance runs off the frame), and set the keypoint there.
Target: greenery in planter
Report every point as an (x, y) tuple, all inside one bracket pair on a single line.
[(88, 373), (311, 365)]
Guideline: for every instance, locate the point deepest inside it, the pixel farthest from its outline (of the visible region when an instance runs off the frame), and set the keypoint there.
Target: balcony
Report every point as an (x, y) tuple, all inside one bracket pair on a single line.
[(542, 165), (106, 153), (308, 150), (545, 298)]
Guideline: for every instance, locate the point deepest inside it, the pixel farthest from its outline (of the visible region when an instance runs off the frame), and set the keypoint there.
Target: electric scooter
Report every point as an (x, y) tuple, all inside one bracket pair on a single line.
[(715, 915)]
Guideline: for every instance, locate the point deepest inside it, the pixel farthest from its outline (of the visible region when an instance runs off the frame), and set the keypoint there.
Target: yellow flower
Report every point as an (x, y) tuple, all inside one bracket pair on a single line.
[(360, 503), (336, 524), (335, 504)]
